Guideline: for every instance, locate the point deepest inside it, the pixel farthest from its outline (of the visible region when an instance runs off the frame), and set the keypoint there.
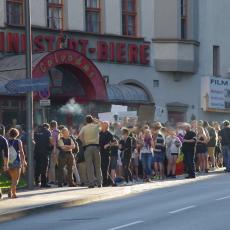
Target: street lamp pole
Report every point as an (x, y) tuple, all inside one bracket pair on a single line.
[(29, 96)]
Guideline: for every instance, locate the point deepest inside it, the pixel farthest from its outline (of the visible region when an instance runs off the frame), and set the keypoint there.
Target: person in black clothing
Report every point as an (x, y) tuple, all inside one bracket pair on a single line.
[(104, 142), (126, 148), (224, 137), (42, 151), (188, 148), (113, 159), (80, 161), (4, 153)]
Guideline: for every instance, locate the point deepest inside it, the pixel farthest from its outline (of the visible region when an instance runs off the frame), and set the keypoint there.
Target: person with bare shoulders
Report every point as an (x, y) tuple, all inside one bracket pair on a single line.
[(17, 160)]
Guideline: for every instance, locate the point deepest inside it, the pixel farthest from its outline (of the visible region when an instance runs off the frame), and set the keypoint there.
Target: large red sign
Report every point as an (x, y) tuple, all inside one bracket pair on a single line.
[(104, 51), (91, 77)]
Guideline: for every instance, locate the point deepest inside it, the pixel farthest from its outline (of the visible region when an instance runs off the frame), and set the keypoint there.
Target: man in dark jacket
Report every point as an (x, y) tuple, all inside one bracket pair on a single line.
[(126, 148), (188, 148), (42, 151), (104, 142), (224, 136)]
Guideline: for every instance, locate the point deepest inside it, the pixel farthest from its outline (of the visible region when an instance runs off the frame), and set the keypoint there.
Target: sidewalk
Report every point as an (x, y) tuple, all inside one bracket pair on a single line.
[(39, 200)]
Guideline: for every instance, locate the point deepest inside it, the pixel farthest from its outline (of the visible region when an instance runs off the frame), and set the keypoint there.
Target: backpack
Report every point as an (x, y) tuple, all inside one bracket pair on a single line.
[(76, 149), (12, 154)]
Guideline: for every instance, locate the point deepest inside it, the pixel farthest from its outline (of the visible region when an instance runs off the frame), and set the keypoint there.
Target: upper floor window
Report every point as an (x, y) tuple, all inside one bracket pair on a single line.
[(14, 9), (129, 15), (55, 14), (93, 16), (184, 18)]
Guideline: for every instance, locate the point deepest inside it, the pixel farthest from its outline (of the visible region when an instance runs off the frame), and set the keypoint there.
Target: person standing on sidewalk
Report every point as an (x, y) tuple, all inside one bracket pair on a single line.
[(54, 154), (188, 148), (89, 135), (42, 151), (224, 136), (104, 141), (17, 161), (66, 157), (4, 153), (211, 144), (126, 148)]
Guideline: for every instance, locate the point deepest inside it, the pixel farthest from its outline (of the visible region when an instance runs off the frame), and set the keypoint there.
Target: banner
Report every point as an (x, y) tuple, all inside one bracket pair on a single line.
[(217, 91)]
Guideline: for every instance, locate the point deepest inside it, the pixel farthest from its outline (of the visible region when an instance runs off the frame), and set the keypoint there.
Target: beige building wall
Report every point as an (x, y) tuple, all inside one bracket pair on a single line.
[(38, 13), (112, 17), (74, 15), (166, 21), (2, 14)]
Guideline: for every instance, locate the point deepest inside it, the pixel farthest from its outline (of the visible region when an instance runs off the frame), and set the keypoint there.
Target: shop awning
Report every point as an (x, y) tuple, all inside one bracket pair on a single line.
[(121, 93), (13, 68)]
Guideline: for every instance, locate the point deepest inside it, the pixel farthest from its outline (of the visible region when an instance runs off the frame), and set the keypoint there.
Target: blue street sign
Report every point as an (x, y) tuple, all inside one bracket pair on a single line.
[(27, 85)]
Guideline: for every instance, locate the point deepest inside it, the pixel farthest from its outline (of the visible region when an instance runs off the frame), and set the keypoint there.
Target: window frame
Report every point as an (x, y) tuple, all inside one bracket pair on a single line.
[(184, 19), (93, 10), (126, 13), (19, 2), (51, 5)]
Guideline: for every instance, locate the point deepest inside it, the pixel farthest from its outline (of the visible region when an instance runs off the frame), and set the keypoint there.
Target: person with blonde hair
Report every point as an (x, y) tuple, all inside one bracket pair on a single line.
[(201, 149), (16, 160)]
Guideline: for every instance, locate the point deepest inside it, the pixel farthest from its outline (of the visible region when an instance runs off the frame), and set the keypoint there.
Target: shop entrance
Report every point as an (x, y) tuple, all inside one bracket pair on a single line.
[(75, 84)]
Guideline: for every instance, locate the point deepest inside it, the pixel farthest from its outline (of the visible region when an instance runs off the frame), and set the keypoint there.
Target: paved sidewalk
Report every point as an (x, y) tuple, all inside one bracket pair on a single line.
[(29, 202)]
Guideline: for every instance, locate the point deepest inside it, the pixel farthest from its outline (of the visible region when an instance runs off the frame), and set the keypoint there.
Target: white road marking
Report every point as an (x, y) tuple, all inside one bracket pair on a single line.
[(182, 209), (223, 198), (127, 225)]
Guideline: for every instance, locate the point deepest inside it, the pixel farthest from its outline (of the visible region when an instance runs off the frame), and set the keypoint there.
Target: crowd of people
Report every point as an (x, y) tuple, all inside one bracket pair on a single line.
[(101, 154)]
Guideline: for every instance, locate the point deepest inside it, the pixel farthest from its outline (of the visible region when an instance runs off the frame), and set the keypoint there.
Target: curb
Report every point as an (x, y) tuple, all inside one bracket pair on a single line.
[(10, 216)]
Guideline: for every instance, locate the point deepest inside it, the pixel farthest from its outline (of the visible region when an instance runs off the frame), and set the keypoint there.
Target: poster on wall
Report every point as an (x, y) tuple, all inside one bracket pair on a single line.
[(160, 114), (217, 92)]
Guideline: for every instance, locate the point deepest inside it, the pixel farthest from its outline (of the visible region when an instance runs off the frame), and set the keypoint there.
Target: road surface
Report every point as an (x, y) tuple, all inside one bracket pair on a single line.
[(203, 205)]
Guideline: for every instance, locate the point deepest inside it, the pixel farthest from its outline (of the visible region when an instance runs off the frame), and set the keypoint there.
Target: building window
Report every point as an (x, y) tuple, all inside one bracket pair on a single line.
[(184, 18), (216, 61), (156, 83), (93, 16), (15, 12), (129, 15), (55, 14)]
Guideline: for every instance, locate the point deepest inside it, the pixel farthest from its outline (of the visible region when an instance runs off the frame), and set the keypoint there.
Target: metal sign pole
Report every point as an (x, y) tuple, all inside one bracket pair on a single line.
[(29, 96)]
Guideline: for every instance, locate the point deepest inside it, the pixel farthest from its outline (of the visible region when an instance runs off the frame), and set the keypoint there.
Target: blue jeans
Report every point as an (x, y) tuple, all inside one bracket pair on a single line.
[(146, 159), (226, 155)]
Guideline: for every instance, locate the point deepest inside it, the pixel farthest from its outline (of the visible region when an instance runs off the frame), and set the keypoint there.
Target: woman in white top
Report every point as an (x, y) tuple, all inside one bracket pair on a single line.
[(173, 145)]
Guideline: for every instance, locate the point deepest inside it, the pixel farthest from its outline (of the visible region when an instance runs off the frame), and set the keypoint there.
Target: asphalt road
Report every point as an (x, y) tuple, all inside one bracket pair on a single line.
[(203, 205)]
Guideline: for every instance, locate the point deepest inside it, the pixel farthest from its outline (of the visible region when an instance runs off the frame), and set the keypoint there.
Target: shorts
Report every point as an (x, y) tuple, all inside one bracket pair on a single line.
[(113, 163), (174, 154), (158, 157), (211, 151)]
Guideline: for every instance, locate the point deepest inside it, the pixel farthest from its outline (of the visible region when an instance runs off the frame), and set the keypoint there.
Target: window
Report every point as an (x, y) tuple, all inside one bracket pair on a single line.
[(93, 16), (129, 14), (184, 19), (156, 83), (55, 14), (216, 61), (14, 9)]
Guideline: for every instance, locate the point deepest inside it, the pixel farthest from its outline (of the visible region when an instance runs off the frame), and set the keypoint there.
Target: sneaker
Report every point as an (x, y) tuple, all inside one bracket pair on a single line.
[(173, 176), (91, 186), (130, 183)]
